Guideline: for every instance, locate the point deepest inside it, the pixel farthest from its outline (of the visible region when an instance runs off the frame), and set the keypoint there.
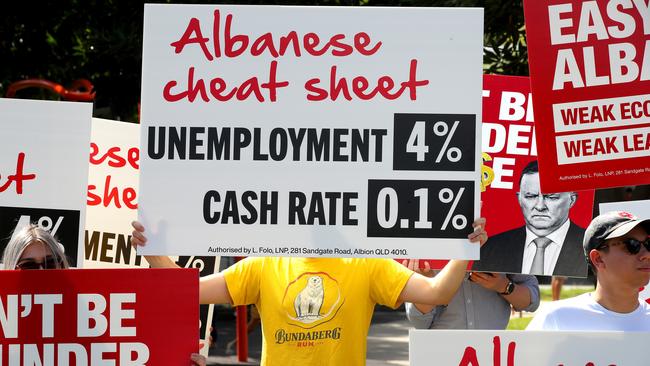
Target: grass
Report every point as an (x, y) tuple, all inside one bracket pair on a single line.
[(517, 323), (520, 323), (567, 291)]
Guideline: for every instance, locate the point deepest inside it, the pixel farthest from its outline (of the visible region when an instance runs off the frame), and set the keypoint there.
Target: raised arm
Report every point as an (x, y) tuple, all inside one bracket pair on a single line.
[(440, 289), (424, 309), (212, 288)]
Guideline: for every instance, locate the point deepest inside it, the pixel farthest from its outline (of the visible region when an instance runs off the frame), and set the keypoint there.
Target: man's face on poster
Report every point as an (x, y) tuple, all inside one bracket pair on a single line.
[(544, 213)]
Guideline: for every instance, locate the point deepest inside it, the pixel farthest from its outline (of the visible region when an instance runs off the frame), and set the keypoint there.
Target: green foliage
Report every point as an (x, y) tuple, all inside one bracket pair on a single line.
[(101, 40), (505, 50), (65, 40)]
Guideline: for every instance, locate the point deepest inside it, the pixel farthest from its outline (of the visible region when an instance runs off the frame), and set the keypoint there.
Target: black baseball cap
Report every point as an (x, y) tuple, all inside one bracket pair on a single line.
[(610, 225)]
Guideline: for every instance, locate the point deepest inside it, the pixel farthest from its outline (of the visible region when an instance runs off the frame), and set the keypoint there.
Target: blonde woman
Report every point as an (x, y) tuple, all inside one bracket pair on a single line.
[(34, 248)]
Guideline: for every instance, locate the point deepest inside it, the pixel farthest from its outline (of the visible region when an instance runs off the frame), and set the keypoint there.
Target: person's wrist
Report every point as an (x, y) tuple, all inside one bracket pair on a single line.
[(509, 288)]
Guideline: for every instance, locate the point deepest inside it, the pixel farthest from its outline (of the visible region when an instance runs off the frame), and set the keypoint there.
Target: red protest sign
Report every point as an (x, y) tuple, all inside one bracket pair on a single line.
[(591, 87), (77, 317), (516, 211)]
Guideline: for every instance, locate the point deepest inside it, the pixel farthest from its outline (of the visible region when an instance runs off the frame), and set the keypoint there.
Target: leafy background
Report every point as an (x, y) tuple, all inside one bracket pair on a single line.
[(101, 41)]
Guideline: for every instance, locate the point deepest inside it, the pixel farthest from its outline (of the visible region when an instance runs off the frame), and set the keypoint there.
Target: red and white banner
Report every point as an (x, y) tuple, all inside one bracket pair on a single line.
[(525, 348), (590, 77), (112, 201), (510, 207), (508, 146), (98, 317)]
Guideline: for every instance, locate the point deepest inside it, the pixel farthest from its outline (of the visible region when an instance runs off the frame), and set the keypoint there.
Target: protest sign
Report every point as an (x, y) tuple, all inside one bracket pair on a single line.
[(591, 86), (98, 317), (112, 206), (515, 208), (307, 131), (112, 195), (529, 348), (44, 169)]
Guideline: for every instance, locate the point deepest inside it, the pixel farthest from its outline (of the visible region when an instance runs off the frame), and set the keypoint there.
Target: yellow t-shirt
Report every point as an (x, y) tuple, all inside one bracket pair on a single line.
[(315, 311)]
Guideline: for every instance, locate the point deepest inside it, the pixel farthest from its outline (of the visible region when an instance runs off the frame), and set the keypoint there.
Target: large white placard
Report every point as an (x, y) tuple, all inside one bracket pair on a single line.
[(308, 131), (44, 169), (113, 203), (525, 348)]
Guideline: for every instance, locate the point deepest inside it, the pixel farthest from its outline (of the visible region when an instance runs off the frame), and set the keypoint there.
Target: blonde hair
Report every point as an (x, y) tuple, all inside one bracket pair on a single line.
[(28, 235)]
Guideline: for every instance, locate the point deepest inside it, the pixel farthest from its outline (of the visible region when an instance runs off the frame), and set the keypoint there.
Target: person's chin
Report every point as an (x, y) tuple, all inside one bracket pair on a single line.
[(643, 276)]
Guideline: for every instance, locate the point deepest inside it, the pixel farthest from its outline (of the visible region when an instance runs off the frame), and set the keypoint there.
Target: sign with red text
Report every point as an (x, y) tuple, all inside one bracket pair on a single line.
[(308, 131), (591, 86), (640, 209), (44, 169), (524, 348), (514, 206), (112, 195), (98, 317), (112, 206)]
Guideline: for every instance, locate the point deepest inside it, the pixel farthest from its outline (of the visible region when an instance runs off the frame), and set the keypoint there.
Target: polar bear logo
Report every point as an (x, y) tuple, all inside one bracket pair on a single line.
[(309, 301)]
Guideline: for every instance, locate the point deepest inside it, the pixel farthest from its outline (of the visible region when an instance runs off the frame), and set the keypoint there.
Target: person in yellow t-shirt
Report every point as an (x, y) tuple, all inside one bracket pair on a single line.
[(317, 311)]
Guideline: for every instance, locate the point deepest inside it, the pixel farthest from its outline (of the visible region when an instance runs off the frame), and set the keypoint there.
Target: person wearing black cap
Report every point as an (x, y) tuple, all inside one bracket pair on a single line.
[(617, 247)]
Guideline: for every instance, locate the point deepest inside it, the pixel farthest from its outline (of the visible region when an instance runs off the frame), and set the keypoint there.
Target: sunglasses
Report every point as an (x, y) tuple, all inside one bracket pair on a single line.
[(632, 246), (48, 263)]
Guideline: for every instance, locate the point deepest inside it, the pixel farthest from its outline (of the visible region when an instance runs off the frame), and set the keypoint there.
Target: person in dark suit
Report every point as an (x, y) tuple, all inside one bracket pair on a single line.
[(549, 243)]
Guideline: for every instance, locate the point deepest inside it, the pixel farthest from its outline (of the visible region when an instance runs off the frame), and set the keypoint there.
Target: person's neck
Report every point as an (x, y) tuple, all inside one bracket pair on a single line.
[(616, 298)]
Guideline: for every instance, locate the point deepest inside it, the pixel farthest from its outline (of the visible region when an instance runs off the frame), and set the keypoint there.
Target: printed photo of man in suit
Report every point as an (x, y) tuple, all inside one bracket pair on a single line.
[(548, 244)]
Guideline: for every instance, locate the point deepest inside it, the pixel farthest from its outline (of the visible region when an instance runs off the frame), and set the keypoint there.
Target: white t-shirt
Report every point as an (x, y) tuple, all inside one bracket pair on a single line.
[(583, 313)]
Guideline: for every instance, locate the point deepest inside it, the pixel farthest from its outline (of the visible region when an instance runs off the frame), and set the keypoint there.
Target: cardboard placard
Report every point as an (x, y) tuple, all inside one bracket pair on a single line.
[(308, 131), (591, 86), (98, 316), (516, 210), (529, 348), (44, 169)]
